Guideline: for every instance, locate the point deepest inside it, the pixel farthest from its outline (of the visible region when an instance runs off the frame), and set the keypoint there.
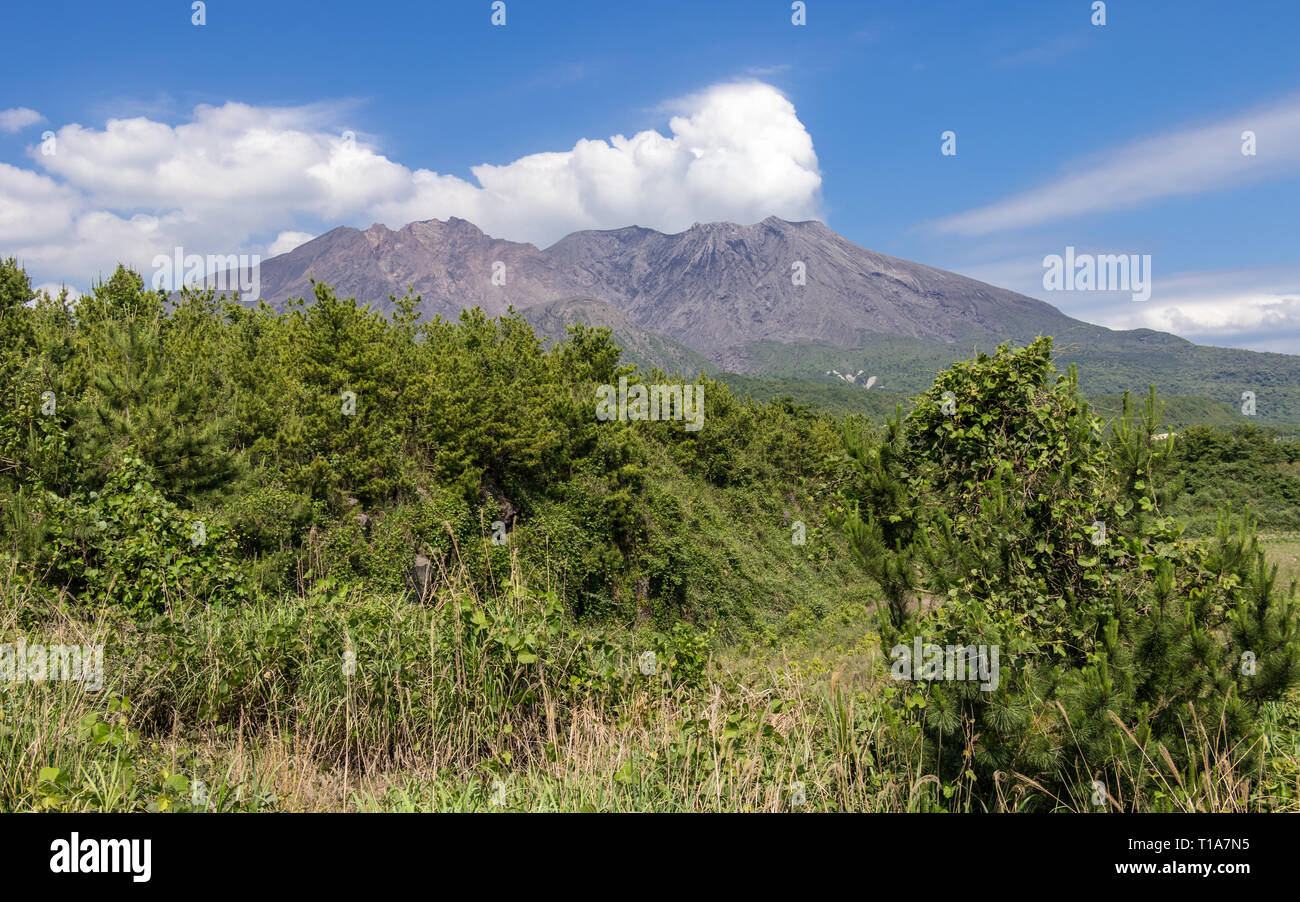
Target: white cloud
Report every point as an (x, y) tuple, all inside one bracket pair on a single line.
[(239, 178), (287, 241), (33, 207), (736, 152), (18, 119), (1249, 306), (1187, 161)]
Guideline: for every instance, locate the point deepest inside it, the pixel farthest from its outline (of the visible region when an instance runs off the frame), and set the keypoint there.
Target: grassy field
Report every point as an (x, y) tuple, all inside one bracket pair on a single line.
[(254, 708), (1284, 550)]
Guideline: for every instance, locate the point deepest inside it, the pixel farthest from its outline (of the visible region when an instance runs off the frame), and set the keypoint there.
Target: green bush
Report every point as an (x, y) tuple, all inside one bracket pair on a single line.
[(1115, 650), (128, 546)]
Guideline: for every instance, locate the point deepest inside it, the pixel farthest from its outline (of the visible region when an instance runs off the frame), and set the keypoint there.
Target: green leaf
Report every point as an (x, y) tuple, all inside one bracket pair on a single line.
[(51, 775)]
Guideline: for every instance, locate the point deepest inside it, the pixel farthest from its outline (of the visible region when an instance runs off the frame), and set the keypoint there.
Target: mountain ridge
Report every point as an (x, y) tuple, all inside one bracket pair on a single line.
[(664, 280), (775, 297)]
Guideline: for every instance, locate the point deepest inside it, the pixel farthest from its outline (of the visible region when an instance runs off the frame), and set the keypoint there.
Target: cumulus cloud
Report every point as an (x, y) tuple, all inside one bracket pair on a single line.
[(33, 207), (1186, 161), (239, 178), (18, 119), (735, 152)]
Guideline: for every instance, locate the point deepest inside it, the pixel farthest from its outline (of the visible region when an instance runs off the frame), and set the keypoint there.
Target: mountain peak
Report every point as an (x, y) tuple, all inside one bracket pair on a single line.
[(774, 223), (722, 226), (718, 287), (451, 225)]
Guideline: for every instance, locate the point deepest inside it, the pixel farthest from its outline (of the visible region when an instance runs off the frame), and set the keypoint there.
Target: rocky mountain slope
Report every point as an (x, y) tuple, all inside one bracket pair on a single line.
[(715, 287)]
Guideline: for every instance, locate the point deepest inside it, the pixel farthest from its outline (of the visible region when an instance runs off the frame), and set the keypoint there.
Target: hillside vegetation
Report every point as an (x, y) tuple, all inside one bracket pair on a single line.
[(338, 560), (1204, 384)]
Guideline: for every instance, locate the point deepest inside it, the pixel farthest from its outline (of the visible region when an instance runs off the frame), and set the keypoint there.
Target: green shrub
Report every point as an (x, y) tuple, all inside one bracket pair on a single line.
[(128, 546), (1115, 650)]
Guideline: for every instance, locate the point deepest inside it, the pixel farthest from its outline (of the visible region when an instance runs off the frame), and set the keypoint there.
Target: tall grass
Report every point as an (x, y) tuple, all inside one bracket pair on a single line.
[(337, 699)]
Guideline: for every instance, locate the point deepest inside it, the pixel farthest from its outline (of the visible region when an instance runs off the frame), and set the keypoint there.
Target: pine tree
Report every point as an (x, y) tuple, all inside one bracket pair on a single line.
[(135, 400)]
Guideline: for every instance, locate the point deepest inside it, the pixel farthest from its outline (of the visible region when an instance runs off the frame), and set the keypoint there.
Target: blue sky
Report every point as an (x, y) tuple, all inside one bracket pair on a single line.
[(1122, 138)]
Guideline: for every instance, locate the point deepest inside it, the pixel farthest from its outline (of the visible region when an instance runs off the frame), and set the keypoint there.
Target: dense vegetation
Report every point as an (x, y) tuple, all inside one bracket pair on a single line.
[(342, 560), (331, 442), (1246, 468)]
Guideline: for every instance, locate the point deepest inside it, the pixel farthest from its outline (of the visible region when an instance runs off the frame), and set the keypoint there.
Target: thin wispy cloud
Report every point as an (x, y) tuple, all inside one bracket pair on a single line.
[(1048, 52), (767, 71), (1182, 162)]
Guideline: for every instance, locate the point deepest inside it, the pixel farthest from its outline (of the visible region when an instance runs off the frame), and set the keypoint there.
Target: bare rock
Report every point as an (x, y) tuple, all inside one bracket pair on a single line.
[(421, 578)]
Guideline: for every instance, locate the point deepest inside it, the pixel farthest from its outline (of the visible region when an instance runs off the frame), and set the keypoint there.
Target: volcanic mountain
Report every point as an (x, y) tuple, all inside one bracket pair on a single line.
[(776, 298)]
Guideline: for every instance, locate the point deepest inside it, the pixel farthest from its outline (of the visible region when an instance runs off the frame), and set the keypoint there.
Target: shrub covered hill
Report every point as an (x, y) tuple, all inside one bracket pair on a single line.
[(332, 441), (235, 497)]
